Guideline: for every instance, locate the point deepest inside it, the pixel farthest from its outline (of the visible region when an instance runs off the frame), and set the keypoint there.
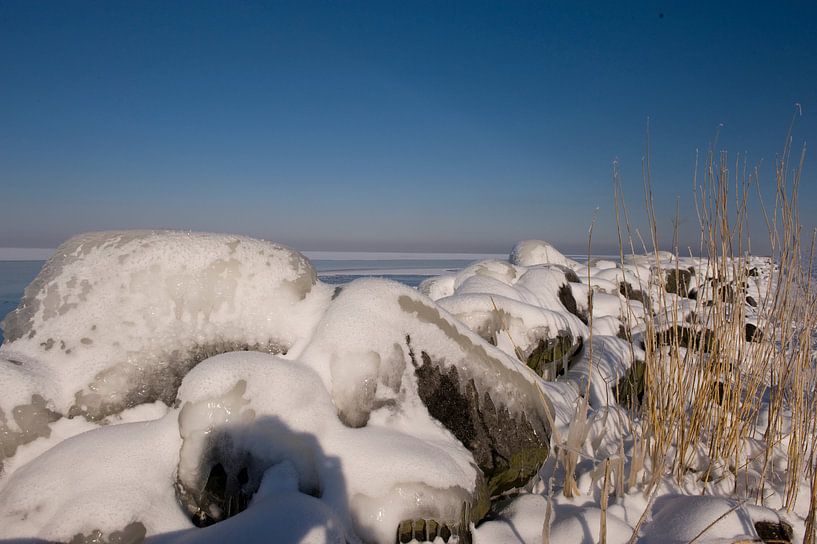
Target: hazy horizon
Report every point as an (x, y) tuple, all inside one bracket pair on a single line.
[(422, 127)]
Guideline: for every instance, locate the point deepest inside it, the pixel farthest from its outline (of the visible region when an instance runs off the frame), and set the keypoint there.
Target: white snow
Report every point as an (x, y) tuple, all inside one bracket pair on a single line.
[(535, 252)]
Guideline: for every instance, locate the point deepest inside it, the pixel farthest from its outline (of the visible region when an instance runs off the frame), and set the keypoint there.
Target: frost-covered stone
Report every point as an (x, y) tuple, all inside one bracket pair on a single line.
[(536, 336), (413, 352), (246, 413), (118, 318), (535, 252), (102, 480), (501, 271), (438, 287)]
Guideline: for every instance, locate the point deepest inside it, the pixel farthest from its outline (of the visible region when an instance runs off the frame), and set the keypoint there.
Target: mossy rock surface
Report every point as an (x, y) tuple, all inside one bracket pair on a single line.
[(505, 446), (550, 352), (629, 391), (518, 471)]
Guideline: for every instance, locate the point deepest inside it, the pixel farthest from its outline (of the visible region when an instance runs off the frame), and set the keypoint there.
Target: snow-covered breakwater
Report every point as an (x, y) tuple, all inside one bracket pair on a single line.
[(222, 385)]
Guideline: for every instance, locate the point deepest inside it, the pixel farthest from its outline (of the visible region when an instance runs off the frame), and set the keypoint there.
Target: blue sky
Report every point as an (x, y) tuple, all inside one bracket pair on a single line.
[(428, 126)]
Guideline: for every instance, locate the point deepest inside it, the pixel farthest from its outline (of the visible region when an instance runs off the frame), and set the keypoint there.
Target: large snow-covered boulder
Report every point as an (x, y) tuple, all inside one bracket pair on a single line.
[(386, 351), (116, 319), (534, 252)]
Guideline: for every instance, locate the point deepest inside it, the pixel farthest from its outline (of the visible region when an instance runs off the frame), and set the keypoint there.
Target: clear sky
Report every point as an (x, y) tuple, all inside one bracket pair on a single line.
[(438, 126)]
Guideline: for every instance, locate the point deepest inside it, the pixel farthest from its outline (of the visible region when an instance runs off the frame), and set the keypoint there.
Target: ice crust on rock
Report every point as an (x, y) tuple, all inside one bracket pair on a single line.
[(103, 479), (256, 411), (386, 351), (500, 319), (536, 252), (118, 318), (378, 320), (438, 287)]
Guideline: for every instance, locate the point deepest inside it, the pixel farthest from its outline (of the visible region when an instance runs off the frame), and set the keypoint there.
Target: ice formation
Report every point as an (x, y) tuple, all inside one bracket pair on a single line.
[(189, 387)]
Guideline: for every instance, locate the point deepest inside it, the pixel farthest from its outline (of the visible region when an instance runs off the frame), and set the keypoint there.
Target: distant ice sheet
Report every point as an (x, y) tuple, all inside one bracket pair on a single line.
[(24, 254), (388, 271), (398, 256)]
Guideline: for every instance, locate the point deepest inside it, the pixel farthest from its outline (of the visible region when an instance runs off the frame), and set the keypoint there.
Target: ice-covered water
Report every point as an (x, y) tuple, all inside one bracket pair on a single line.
[(14, 276), (410, 272)]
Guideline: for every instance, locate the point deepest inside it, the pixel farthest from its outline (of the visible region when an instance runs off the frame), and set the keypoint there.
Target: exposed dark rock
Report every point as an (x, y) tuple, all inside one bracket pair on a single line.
[(432, 528), (752, 272), (753, 334), (571, 276), (692, 317), (726, 293), (776, 533), (722, 291), (405, 531), (693, 294), (428, 530), (630, 293), (678, 281), (719, 291), (686, 337), (569, 302), (546, 358), (133, 533), (233, 478), (224, 495), (506, 448), (751, 301), (629, 391)]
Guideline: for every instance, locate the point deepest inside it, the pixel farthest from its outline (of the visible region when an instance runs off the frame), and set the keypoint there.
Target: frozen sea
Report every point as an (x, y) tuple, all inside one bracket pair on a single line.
[(14, 276)]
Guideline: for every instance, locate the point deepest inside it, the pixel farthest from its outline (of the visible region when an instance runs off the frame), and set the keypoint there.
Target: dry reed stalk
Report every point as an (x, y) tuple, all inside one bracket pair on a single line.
[(604, 498), (706, 395)]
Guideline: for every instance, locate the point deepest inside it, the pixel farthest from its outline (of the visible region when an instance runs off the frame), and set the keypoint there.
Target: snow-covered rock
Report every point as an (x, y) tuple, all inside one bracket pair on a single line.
[(117, 319), (534, 252)]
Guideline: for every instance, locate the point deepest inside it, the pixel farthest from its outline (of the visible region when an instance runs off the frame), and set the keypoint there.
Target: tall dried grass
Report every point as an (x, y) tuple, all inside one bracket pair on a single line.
[(705, 395)]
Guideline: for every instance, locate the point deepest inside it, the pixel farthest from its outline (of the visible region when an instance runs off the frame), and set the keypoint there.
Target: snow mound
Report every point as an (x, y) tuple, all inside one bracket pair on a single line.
[(101, 480), (678, 519), (535, 252)]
